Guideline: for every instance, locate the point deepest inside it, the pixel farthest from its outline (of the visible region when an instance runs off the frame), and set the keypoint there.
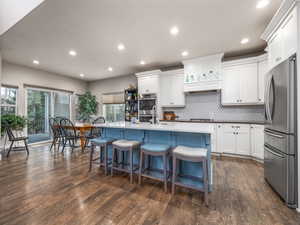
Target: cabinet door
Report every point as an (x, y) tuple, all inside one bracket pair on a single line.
[(230, 86), (228, 139), (257, 141), (275, 49), (148, 85), (289, 34), (262, 72), (177, 92), (166, 85), (248, 83), (243, 140)]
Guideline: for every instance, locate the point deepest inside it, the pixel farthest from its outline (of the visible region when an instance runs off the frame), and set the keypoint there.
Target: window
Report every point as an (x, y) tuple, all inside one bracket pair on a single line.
[(8, 100), (114, 112)]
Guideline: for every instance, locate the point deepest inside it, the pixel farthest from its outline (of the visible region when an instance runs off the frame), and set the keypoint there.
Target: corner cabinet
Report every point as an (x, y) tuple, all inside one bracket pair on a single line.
[(148, 82), (243, 81), (171, 88)]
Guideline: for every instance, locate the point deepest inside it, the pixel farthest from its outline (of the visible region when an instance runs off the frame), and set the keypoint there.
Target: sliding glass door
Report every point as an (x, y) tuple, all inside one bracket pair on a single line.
[(41, 105), (38, 114)]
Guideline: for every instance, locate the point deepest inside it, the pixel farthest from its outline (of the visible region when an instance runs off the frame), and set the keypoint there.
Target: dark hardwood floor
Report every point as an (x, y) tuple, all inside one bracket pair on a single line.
[(54, 188)]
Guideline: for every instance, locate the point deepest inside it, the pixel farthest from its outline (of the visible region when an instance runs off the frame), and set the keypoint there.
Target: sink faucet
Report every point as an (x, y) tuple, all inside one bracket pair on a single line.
[(153, 120)]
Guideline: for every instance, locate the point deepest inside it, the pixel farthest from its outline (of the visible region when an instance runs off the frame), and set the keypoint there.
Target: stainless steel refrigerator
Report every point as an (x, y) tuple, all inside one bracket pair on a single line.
[(280, 148)]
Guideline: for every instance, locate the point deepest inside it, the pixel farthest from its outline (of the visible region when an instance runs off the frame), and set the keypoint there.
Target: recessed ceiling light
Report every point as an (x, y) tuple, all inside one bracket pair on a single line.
[(262, 4), (36, 62), (244, 41), (72, 53), (174, 30), (185, 53), (81, 75), (121, 47), (142, 62), (110, 69)]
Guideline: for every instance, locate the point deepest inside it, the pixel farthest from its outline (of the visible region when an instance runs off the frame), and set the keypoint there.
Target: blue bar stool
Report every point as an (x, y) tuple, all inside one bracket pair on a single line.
[(192, 155), (103, 143), (124, 146), (149, 150)]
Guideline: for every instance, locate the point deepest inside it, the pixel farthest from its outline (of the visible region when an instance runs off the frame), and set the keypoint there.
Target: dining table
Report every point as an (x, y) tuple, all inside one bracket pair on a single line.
[(83, 128)]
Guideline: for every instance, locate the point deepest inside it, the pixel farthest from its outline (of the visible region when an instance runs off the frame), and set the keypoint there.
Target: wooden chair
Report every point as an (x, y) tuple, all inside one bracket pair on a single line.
[(69, 134), (13, 139)]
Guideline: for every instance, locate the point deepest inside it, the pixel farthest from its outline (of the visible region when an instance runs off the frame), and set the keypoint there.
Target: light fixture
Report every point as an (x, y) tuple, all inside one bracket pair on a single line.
[(142, 62), (81, 75), (36, 62), (121, 47), (110, 69), (244, 41), (174, 30), (185, 53), (262, 4), (72, 53)]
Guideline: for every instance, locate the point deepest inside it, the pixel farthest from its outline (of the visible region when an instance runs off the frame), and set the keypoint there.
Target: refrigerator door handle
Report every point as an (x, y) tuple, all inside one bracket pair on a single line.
[(272, 86), (272, 152), (273, 135), (267, 97)]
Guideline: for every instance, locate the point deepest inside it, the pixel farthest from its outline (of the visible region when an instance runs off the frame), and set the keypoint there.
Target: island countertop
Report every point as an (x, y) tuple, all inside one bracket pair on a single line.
[(204, 128)]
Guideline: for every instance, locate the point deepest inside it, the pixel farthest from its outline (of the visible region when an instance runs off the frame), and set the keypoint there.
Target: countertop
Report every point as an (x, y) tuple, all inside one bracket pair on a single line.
[(174, 127), (218, 121)]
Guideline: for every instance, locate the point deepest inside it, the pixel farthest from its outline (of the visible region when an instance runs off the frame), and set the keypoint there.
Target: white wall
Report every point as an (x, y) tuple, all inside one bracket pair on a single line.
[(111, 85), (12, 11), (16, 75), (298, 109)]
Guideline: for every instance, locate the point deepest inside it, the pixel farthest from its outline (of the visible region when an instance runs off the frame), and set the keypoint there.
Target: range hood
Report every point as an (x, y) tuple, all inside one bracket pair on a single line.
[(203, 73)]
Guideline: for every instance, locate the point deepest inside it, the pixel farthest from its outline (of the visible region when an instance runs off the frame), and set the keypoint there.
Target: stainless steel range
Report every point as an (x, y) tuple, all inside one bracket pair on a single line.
[(280, 146)]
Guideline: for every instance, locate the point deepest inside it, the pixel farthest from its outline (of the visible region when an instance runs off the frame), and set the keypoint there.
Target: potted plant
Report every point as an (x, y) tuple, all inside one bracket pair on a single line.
[(15, 122), (88, 106)]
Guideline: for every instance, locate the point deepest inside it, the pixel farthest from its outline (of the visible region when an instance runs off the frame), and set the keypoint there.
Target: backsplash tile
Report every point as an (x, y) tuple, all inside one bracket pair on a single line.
[(207, 105)]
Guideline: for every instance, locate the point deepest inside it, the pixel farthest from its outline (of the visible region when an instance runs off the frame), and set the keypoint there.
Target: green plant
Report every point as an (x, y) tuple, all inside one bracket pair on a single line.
[(14, 121), (88, 106)]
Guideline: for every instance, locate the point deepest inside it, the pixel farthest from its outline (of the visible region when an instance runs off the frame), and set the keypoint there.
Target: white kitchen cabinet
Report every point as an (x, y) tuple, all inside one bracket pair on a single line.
[(240, 84), (262, 74), (171, 92), (257, 141), (148, 82), (233, 139), (283, 42), (289, 34)]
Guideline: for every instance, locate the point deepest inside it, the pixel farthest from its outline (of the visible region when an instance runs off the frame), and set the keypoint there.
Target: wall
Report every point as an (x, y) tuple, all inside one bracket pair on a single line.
[(111, 85), (16, 75), (207, 105)]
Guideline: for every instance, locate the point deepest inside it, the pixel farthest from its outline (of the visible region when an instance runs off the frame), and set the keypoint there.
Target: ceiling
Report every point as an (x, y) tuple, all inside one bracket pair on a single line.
[(94, 28)]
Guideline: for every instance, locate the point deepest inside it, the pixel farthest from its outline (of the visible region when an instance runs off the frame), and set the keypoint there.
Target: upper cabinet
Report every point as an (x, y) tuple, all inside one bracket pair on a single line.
[(148, 82), (282, 34), (243, 81), (203, 73), (171, 91)]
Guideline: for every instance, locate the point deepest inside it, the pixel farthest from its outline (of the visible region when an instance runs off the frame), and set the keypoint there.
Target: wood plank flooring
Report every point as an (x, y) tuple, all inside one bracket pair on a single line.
[(53, 188)]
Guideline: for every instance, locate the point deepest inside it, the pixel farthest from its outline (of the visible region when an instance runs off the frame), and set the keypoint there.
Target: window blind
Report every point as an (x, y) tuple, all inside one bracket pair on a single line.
[(113, 98)]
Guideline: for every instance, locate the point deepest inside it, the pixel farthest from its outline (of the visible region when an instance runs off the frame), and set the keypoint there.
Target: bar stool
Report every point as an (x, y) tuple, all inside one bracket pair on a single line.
[(124, 146), (149, 150), (103, 142), (192, 155)]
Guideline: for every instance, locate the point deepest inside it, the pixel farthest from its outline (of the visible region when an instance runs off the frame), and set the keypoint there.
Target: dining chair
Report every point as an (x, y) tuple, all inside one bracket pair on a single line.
[(69, 133), (13, 139)]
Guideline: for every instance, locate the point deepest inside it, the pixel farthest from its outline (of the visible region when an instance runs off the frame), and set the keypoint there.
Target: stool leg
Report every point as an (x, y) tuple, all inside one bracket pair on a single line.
[(91, 156), (205, 175), (174, 174), (105, 159), (141, 167), (131, 166), (113, 161), (165, 172)]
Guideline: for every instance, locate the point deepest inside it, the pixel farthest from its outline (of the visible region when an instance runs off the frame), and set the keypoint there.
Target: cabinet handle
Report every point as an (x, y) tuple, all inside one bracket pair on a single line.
[(240, 100), (278, 59), (171, 103)]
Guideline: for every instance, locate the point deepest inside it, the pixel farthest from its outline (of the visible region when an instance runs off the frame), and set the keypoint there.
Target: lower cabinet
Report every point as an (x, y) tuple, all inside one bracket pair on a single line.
[(240, 139), (257, 141)]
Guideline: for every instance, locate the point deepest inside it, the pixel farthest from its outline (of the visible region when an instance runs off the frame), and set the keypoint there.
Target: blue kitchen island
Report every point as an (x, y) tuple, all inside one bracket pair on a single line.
[(173, 134)]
